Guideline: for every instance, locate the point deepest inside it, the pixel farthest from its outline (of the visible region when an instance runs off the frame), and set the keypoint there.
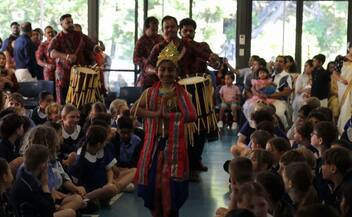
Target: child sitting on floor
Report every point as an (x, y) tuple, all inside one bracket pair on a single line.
[(66, 195), (116, 110), (71, 131), (253, 197), (6, 179), (93, 166), (39, 115), (262, 160), (241, 172), (52, 112), (30, 194), (11, 129)]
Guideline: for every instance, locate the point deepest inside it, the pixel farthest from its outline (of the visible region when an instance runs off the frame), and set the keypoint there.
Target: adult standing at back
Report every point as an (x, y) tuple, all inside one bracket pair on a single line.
[(43, 58), (15, 32), (24, 54), (345, 89), (320, 80), (69, 48), (190, 51), (143, 48)]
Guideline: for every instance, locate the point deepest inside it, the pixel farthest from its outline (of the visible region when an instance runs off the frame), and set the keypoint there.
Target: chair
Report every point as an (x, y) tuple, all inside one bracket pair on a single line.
[(130, 94), (30, 91)]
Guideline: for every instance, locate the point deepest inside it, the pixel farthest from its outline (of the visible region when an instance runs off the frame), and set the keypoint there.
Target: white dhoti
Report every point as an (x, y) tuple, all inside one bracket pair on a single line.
[(23, 75), (281, 110)]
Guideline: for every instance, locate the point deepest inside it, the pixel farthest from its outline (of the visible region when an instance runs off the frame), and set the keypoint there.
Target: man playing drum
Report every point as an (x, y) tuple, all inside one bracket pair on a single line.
[(69, 48), (190, 51), (192, 60), (143, 47)]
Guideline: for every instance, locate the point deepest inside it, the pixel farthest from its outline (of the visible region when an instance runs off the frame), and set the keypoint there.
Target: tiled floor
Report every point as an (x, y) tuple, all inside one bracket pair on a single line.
[(205, 196)]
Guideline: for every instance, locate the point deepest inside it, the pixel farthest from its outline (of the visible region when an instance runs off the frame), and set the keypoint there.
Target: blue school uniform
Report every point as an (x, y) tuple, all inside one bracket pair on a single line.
[(346, 136), (28, 197), (38, 117), (246, 131), (90, 170), (71, 142)]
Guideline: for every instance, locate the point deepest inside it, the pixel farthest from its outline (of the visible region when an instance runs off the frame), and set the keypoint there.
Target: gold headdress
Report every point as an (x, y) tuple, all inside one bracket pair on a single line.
[(170, 52)]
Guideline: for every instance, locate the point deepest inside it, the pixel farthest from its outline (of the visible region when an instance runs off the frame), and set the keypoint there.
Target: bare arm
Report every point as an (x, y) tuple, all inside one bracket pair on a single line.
[(284, 93), (109, 176), (56, 54), (139, 108), (338, 77)]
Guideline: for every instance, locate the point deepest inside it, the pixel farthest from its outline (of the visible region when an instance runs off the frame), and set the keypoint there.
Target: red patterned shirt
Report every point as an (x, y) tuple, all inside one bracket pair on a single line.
[(42, 54), (193, 61), (70, 43), (142, 51)]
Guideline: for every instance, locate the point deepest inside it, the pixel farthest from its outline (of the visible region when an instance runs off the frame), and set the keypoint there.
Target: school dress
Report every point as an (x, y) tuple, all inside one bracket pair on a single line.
[(38, 117), (9, 151), (89, 170), (71, 142)]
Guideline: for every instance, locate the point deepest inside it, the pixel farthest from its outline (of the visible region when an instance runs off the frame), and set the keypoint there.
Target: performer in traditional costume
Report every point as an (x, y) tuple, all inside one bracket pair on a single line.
[(345, 90), (191, 52), (69, 48), (163, 169), (142, 50)]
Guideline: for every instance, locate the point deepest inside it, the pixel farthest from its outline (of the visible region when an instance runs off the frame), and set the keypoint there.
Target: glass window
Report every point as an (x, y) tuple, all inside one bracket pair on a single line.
[(324, 29), (116, 30), (273, 28), (216, 25), (161, 8), (42, 13)]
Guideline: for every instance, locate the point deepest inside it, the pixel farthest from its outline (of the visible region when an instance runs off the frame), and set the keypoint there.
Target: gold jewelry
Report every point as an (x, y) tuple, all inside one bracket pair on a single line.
[(170, 53)]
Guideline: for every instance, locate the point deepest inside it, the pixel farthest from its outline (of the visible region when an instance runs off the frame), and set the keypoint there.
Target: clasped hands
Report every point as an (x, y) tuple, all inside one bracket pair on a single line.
[(162, 111)]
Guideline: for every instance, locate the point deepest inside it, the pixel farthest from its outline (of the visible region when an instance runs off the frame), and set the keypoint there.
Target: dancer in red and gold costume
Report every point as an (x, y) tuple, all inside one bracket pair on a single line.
[(163, 169)]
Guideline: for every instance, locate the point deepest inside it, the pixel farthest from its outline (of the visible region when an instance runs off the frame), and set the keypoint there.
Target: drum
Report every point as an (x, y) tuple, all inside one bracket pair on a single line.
[(201, 89), (85, 86)]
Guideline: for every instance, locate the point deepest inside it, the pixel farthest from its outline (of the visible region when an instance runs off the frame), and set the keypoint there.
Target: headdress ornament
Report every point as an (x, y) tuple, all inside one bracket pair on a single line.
[(170, 53)]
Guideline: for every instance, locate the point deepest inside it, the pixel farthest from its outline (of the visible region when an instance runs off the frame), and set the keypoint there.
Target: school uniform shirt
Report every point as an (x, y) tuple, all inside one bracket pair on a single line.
[(321, 185), (28, 198), (338, 192), (346, 136), (38, 117), (246, 131), (5, 208), (56, 175), (8, 151), (309, 147), (90, 170), (126, 153), (71, 142)]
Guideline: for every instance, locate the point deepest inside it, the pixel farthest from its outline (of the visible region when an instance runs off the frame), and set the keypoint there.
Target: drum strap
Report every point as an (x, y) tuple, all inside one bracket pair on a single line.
[(79, 46)]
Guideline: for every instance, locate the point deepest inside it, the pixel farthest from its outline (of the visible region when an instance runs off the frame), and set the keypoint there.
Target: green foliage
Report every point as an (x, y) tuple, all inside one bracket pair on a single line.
[(22, 10), (327, 25)]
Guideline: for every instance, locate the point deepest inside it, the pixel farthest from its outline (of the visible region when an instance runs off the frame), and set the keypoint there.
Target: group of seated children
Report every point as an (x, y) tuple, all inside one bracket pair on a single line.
[(61, 168), (308, 173)]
